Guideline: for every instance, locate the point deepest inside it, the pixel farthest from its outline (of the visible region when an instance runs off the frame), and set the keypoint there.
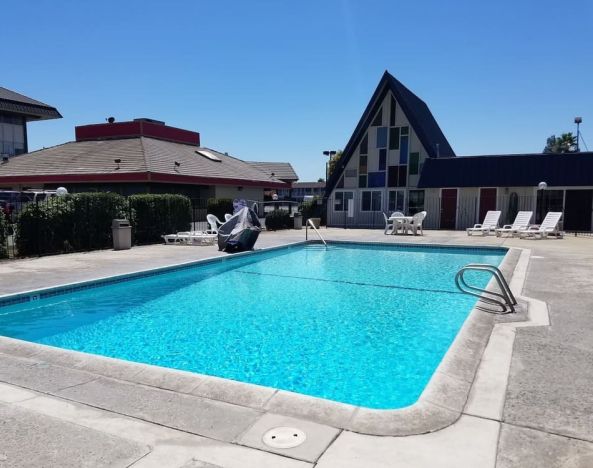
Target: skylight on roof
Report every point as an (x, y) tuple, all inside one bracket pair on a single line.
[(209, 155)]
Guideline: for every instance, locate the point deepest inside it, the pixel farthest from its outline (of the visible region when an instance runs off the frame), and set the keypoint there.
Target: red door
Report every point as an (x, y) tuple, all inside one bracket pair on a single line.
[(487, 202), (448, 208)]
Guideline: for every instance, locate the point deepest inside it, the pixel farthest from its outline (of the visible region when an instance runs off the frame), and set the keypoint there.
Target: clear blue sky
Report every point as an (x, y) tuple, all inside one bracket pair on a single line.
[(284, 80)]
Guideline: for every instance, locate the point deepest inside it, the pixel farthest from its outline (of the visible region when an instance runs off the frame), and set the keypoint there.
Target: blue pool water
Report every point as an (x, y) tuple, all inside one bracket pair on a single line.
[(359, 324)]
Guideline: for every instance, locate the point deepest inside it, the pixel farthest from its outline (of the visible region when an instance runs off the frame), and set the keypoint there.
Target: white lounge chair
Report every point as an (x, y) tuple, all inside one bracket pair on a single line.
[(227, 216), (549, 226), (177, 239), (202, 238), (520, 224), (213, 222), (489, 224), (415, 224)]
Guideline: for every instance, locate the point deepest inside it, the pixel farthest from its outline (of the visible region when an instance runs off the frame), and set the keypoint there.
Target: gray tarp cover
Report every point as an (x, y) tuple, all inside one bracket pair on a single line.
[(240, 232)]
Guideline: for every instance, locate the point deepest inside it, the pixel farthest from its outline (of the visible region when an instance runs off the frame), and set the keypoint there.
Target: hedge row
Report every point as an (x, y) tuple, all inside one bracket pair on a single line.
[(219, 207), (83, 221), (154, 215), (3, 235), (278, 219)]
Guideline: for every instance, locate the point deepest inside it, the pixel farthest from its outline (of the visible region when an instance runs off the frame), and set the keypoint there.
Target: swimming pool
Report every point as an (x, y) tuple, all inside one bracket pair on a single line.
[(359, 324)]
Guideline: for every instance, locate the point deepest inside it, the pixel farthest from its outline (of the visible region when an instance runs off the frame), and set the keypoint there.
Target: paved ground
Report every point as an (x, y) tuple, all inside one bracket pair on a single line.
[(546, 421)]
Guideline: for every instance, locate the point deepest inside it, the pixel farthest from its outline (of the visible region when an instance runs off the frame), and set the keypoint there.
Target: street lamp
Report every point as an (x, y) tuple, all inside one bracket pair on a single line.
[(578, 120), (328, 153), (542, 207)]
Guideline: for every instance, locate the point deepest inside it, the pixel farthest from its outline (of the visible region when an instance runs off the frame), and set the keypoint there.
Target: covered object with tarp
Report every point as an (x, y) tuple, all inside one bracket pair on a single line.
[(240, 232)]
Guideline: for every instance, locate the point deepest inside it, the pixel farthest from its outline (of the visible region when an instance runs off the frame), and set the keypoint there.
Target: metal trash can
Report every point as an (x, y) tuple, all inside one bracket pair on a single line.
[(122, 234), (298, 220)]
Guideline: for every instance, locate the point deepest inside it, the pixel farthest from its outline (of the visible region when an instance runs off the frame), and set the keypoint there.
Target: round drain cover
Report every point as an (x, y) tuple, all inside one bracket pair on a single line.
[(284, 437)]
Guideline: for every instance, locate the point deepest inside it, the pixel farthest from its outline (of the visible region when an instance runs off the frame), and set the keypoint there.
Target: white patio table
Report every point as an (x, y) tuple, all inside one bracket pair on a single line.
[(399, 221)]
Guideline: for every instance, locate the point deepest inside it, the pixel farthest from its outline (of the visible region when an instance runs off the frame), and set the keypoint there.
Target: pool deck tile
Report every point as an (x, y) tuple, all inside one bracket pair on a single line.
[(218, 420), (314, 409), (471, 443), (319, 437), (528, 448), (49, 442), (447, 391), (40, 376)]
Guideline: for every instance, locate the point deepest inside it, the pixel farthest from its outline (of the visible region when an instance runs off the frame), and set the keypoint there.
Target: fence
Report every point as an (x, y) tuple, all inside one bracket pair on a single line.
[(457, 213), (87, 226)]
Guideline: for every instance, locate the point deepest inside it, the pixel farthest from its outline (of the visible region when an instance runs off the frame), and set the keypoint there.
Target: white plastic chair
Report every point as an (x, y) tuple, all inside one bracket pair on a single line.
[(415, 224), (549, 226), (214, 222), (388, 224), (227, 216), (520, 224), (489, 224)]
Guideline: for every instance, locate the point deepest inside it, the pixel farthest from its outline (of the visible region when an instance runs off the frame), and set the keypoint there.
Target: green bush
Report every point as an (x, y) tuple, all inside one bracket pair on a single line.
[(278, 219), (155, 215), (3, 235), (74, 222), (219, 207)]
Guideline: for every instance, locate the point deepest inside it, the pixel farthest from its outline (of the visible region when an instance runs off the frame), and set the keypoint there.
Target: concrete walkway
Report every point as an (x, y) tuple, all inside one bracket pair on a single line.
[(50, 416)]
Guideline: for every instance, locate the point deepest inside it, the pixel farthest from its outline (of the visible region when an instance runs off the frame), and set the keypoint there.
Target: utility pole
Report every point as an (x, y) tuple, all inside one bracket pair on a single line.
[(578, 120)]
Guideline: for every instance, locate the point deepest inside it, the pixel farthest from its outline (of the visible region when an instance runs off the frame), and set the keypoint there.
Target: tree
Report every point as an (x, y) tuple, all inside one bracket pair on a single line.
[(321, 179), (333, 162), (566, 143)]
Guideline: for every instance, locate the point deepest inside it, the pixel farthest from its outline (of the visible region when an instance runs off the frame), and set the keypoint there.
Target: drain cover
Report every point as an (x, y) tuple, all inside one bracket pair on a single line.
[(284, 437)]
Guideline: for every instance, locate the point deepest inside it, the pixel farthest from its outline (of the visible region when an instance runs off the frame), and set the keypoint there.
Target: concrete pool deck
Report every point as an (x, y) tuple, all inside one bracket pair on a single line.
[(545, 419)]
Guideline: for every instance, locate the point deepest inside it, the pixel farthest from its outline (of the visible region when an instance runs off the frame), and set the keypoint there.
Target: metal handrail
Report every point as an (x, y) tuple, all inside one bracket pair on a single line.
[(505, 299), (310, 223)]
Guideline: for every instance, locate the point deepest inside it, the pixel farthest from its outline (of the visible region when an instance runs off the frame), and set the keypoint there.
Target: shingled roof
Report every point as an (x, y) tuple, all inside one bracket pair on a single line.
[(279, 170), (11, 101), (142, 159), (418, 114)]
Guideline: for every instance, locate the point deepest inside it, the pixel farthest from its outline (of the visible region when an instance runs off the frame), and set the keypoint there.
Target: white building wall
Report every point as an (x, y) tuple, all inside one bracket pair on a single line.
[(233, 191)]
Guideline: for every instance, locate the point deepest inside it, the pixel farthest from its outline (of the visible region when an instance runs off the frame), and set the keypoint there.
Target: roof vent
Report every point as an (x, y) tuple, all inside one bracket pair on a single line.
[(208, 155)]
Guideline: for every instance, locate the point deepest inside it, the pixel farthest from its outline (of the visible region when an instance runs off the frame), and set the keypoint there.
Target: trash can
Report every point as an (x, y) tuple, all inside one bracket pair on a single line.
[(122, 234), (298, 220)]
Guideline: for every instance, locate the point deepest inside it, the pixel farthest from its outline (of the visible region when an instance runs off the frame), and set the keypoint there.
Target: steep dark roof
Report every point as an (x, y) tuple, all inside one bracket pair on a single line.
[(137, 156), (281, 170), (417, 113), (11, 101), (509, 170)]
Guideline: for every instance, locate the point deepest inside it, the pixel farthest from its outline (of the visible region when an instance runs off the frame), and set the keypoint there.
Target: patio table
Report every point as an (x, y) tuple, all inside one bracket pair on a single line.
[(400, 220)]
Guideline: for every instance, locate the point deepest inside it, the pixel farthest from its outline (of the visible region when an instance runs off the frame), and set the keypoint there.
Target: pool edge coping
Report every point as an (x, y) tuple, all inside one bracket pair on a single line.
[(440, 405)]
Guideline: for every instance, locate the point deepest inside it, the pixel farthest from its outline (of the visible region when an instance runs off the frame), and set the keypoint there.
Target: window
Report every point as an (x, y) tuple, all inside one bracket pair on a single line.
[(376, 179), (208, 155), (382, 159), (378, 120), (394, 138), (382, 137), (362, 181), (350, 173), (341, 200), (396, 200), (371, 201), (403, 150), (397, 176), (414, 161), (363, 164), (12, 135), (415, 201), (392, 112), (405, 130), (364, 145)]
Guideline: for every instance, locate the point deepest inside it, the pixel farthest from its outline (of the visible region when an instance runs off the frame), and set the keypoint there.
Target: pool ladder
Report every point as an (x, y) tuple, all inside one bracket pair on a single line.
[(310, 223), (503, 299)]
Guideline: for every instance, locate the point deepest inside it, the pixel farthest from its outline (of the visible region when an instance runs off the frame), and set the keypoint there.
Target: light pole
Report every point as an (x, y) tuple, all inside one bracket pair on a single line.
[(578, 120), (542, 208), (328, 153)]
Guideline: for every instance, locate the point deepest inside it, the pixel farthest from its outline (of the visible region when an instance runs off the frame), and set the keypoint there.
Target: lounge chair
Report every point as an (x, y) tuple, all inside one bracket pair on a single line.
[(177, 239), (489, 224), (520, 224), (202, 238), (415, 224), (214, 222), (549, 226), (227, 216)]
